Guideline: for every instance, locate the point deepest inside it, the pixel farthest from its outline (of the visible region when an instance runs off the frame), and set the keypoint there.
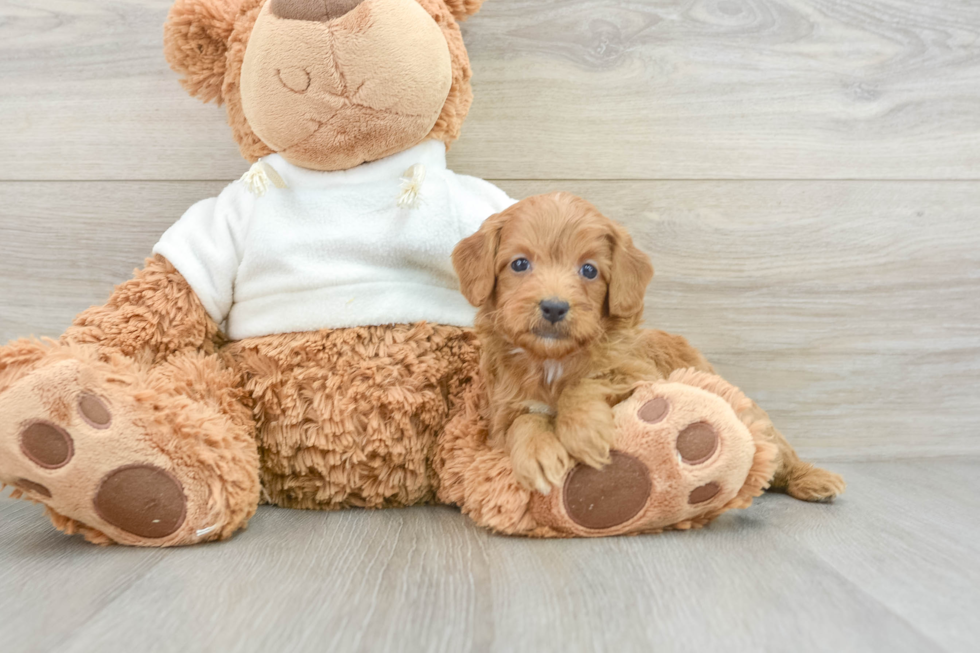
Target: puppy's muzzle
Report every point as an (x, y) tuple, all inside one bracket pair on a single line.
[(553, 310)]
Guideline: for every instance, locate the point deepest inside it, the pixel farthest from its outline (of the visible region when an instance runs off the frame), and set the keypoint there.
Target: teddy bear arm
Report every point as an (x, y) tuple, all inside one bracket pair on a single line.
[(155, 314)]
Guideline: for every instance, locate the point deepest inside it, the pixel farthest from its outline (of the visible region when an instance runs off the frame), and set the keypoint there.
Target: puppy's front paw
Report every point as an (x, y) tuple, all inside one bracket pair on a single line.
[(587, 434), (540, 462)]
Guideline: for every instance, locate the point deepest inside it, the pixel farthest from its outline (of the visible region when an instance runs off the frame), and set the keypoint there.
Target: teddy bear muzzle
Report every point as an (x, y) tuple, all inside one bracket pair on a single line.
[(315, 10), (332, 95)]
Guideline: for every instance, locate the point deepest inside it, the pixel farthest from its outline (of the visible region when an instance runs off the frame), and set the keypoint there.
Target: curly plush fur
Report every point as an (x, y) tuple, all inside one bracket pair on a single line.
[(152, 348), (350, 417), (196, 41), (328, 419)]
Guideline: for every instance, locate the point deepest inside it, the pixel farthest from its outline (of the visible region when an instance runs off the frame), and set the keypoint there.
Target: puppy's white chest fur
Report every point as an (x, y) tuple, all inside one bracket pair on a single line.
[(552, 370)]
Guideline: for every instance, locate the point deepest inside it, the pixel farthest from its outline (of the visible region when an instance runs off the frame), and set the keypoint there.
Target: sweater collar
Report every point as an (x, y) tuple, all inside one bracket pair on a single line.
[(431, 154)]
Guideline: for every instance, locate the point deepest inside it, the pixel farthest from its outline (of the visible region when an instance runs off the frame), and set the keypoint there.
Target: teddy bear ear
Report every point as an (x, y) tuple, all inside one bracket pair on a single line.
[(195, 41), (462, 9)]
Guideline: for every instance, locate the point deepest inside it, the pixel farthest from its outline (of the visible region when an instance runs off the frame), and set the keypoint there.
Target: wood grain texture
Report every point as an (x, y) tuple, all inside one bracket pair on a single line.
[(920, 539), (585, 89), (890, 567), (848, 309)]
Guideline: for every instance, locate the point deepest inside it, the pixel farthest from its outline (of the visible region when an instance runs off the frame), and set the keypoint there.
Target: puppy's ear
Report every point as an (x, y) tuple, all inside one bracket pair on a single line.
[(474, 258), (463, 9), (195, 43), (631, 274)]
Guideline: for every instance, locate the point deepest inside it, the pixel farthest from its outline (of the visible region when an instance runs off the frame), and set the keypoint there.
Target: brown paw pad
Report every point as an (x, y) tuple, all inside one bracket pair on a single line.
[(143, 500), (47, 445), (607, 497), (31, 486), (697, 443), (704, 493), (654, 410), (94, 411)]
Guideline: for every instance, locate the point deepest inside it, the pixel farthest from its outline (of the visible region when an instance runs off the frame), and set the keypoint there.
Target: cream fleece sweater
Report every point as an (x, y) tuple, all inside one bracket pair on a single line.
[(333, 249)]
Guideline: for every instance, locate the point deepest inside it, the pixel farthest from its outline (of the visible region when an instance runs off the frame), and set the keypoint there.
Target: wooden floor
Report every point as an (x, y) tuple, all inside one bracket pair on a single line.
[(806, 177), (892, 567)]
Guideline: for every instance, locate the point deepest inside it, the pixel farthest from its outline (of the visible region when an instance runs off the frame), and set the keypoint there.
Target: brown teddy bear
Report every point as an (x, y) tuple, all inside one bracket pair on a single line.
[(348, 346)]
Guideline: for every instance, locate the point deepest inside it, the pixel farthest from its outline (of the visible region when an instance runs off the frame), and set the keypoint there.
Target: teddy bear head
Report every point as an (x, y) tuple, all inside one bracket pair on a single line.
[(327, 84)]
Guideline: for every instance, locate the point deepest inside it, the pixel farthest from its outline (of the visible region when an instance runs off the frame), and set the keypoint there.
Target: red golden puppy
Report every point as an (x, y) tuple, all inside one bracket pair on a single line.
[(560, 289)]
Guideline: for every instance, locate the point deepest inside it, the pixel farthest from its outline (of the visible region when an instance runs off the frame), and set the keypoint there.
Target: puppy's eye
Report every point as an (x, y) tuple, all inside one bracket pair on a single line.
[(589, 271), (520, 265)]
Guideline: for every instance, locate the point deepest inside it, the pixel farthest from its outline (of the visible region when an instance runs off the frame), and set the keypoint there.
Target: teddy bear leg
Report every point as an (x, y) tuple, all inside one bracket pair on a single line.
[(350, 417), (687, 450), (800, 480), (131, 428), (145, 456), (479, 478)]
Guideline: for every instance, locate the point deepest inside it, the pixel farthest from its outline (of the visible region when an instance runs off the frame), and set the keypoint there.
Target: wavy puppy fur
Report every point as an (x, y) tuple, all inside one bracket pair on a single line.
[(552, 380)]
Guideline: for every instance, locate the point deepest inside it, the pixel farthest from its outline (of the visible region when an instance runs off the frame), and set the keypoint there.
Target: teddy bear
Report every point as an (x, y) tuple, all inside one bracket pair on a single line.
[(300, 340)]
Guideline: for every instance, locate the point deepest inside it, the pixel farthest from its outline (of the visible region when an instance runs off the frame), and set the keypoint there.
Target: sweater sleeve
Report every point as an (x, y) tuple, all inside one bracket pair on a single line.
[(477, 200), (206, 245)]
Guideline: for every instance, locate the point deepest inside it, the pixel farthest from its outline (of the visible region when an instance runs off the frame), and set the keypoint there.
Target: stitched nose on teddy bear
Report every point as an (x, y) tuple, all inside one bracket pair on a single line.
[(315, 10)]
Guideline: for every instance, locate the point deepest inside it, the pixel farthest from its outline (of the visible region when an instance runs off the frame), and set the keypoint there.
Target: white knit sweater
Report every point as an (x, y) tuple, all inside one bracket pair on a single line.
[(333, 249)]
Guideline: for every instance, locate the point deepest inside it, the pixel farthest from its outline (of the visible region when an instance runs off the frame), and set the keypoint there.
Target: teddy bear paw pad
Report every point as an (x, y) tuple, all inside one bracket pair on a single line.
[(31, 487), (703, 493), (47, 445), (143, 500), (697, 449), (607, 497), (81, 446), (654, 411), (697, 443), (681, 454), (94, 411)]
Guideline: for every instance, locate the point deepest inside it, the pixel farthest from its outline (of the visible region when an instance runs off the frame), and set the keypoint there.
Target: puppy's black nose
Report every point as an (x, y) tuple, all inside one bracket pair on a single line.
[(554, 310)]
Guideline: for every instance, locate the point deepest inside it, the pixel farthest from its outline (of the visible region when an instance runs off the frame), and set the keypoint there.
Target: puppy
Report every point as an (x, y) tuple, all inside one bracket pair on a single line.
[(560, 289)]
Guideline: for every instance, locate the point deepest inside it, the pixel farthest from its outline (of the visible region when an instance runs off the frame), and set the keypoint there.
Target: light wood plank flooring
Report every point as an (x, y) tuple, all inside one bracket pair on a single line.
[(890, 567)]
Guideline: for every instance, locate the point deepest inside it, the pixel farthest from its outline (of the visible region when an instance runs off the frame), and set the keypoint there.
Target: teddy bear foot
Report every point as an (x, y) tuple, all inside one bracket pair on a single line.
[(89, 445), (683, 457), (73, 443)]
